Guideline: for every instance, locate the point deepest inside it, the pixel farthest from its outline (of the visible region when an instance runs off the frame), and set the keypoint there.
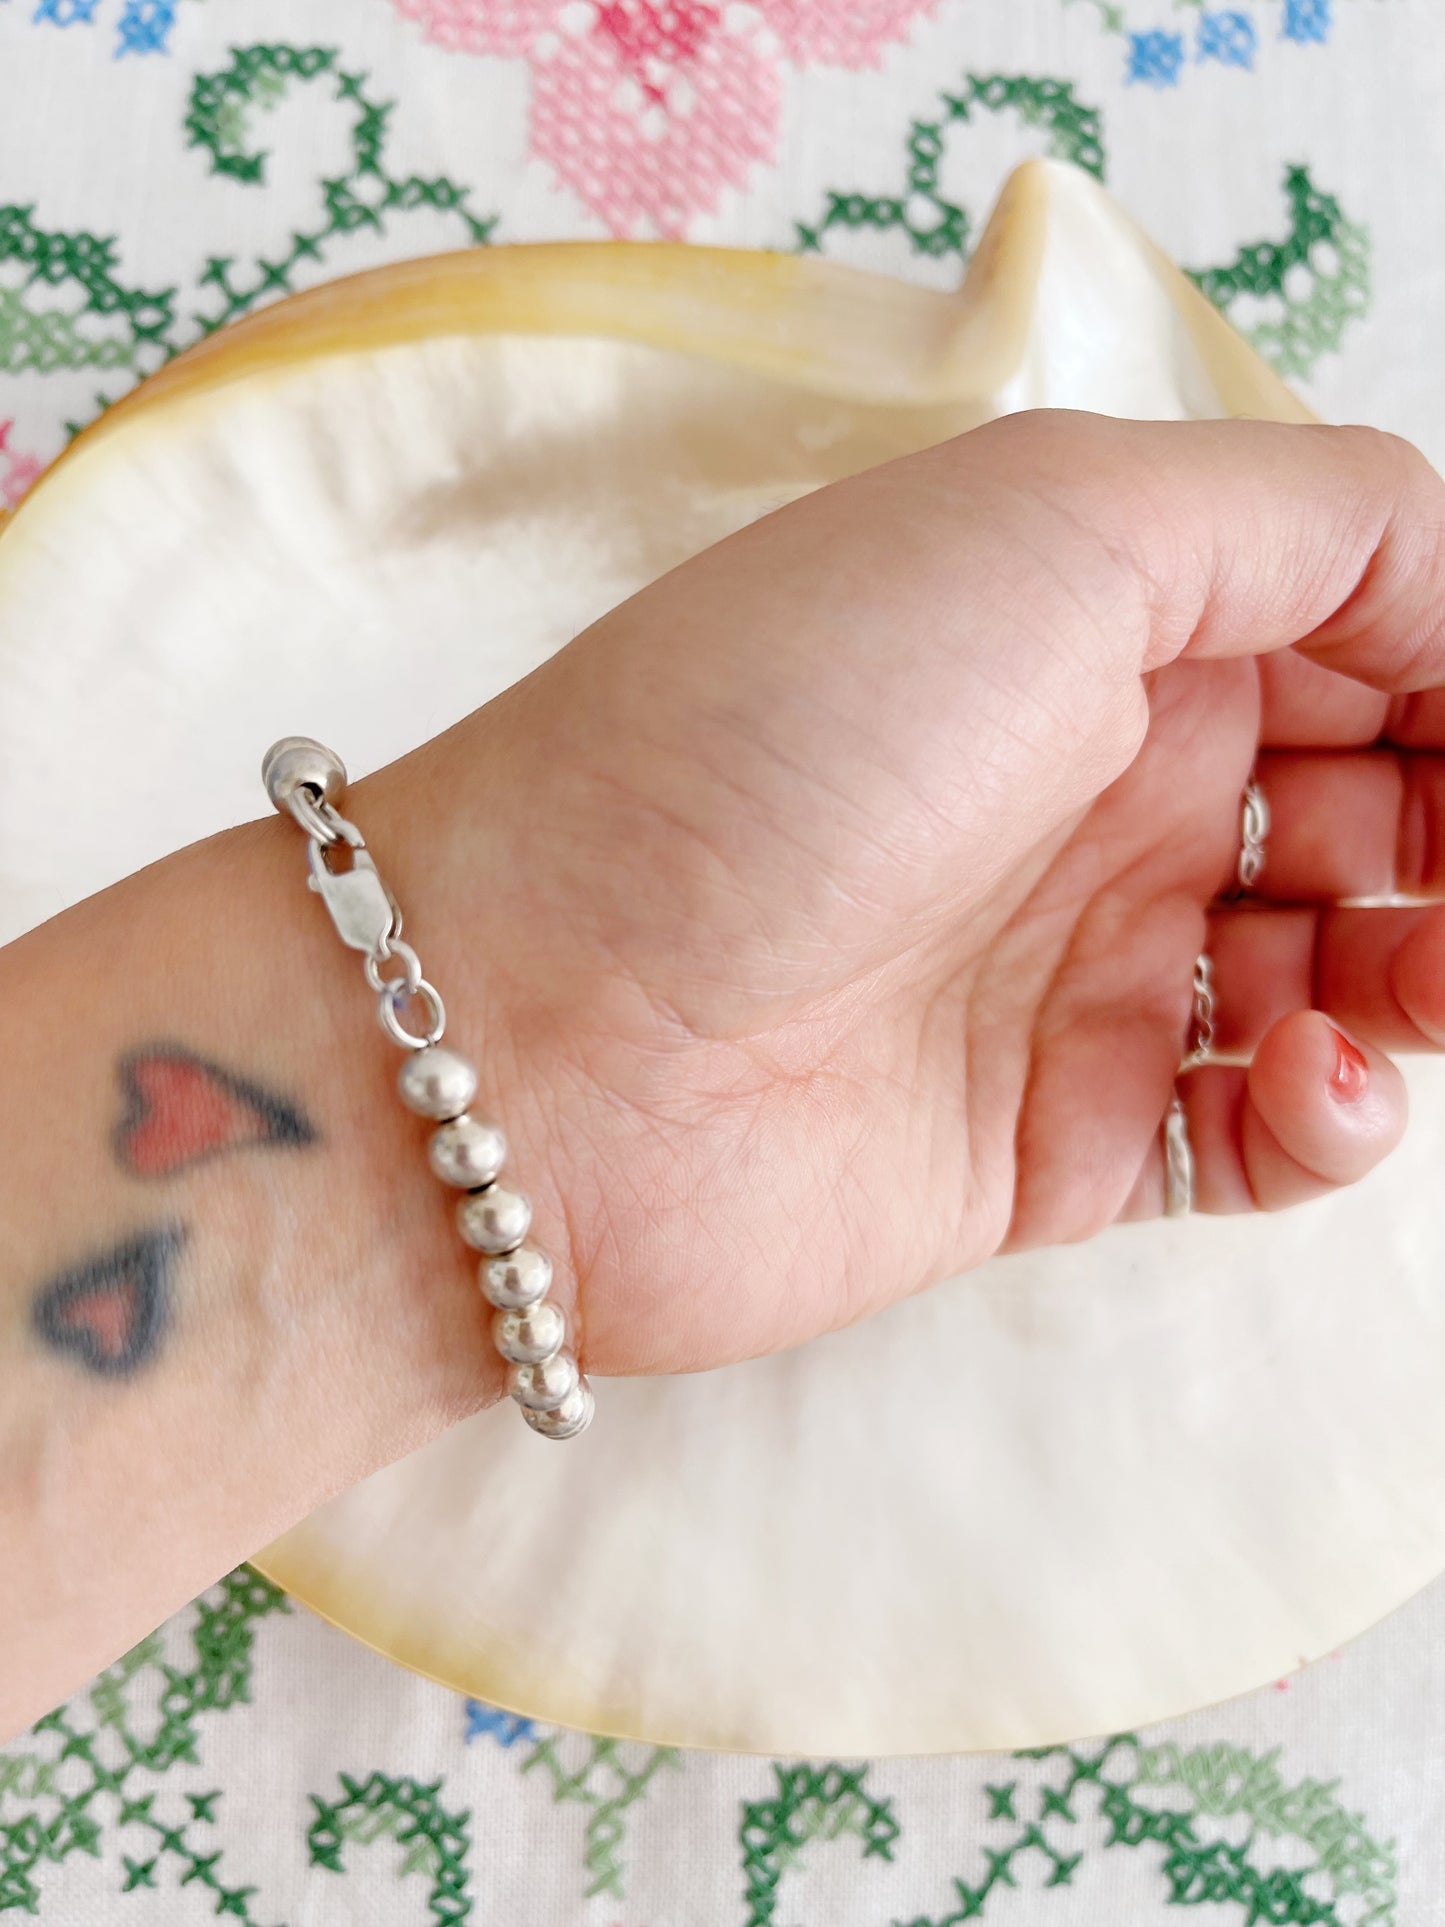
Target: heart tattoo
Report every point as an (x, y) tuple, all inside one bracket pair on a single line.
[(181, 1109), (111, 1313)]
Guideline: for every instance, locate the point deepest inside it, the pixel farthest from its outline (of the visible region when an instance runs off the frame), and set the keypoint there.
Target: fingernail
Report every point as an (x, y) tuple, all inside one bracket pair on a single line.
[(1351, 1075)]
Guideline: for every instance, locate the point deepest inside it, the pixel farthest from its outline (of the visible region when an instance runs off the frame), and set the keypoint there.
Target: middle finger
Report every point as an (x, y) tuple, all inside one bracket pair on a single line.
[(1380, 972)]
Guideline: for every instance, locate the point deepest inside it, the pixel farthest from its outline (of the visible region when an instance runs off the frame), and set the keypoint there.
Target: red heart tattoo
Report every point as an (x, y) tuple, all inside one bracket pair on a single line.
[(181, 1109)]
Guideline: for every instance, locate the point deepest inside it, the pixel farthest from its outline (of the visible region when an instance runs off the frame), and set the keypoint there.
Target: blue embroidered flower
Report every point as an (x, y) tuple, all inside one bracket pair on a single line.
[(145, 27), (1156, 57), (1307, 20), (1228, 38), (505, 1728)]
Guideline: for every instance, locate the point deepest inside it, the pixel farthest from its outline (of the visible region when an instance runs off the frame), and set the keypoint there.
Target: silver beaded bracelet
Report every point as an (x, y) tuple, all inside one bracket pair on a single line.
[(306, 780)]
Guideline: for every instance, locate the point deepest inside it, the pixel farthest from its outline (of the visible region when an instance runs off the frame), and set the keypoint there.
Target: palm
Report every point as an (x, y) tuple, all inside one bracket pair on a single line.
[(846, 965)]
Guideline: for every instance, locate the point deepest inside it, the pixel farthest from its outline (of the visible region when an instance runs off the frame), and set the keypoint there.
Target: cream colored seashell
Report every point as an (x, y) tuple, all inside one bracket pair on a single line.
[(1172, 1464)]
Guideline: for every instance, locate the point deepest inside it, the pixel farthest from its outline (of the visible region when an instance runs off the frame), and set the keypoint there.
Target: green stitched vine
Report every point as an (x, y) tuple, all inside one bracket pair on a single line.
[(1120, 1779), (409, 1812), (934, 224), (811, 1803), (93, 1764), (605, 1783), (64, 301), (1314, 282), (364, 197)]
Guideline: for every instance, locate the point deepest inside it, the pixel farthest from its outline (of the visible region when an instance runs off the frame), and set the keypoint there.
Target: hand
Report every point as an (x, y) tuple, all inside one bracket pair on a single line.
[(841, 892), (823, 921)]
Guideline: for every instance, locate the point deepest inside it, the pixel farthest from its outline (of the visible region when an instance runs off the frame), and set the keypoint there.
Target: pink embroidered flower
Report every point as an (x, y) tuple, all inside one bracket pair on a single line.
[(17, 471), (650, 109)]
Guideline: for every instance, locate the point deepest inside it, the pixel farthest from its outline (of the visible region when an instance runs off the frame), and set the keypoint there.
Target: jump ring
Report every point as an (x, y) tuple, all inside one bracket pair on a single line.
[(320, 820), (398, 991), (411, 977)]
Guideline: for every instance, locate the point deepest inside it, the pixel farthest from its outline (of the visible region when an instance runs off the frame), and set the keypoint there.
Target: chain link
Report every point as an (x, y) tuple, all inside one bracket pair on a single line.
[(392, 947)]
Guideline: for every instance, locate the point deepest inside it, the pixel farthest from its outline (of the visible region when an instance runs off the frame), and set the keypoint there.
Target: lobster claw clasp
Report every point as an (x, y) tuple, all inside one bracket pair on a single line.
[(363, 910)]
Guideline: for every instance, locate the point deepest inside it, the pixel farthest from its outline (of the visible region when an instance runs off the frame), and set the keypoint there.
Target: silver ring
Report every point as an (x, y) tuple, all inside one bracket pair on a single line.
[(1178, 1161), (1200, 1041), (1253, 832)]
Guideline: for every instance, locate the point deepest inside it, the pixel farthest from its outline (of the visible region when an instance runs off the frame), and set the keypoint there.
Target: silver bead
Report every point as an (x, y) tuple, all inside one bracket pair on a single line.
[(547, 1383), (496, 1220), (520, 1279), (566, 1420), (527, 1337), (467, 1152), (300, 762), (437, 1082)]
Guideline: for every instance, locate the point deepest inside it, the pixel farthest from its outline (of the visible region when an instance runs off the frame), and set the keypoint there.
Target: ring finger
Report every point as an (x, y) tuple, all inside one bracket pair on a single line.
[(1352, 824)]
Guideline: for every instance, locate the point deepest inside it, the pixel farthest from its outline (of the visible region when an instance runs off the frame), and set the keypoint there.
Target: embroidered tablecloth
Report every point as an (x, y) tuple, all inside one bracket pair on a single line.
[(167, 165)]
